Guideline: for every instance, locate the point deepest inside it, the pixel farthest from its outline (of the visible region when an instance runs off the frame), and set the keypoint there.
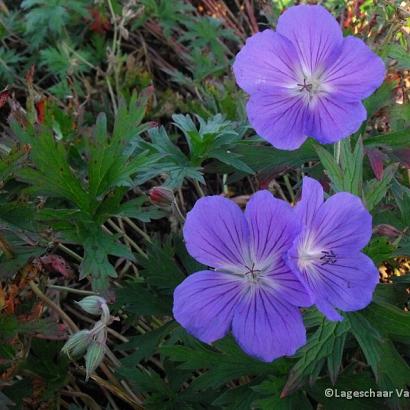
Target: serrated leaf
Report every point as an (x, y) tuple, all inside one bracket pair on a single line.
[(333, 170), (224, 364), (352, 166), (396, 139), (376, 190), (97, 247), (389, 320), (389, 368), (320, 346), (136, 298)]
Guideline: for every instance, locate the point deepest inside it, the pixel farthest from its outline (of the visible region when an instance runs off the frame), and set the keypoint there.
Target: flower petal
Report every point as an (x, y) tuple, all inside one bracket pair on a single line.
[(204, 304), (216, 233), (283, 283), (267, 327), (278, 117), (347, 284), (312, 198), (331, 118), (272, 228), (315, 34), (349, 76), (341, 223), (266, 59)]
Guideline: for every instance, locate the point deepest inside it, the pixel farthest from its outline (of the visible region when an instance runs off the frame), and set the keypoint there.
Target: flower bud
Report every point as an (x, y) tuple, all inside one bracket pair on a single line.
[(387, 230), (161, 196), (93, 358), (92, 304), (77, 344)]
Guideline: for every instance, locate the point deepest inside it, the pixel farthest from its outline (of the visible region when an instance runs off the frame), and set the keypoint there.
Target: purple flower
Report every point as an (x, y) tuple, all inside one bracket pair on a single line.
[(251, 291), (305, 79), (326, 254)]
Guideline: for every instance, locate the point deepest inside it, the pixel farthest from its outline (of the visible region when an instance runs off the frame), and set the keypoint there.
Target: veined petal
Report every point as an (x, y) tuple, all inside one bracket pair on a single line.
[(216, 233), (315, 34), (347, 283), (278, 116), (341, 223), (312, 198), (331, 118), (356, 73), (204, 304), (283, 283), (272, 228), (266, 59), (267, 327)]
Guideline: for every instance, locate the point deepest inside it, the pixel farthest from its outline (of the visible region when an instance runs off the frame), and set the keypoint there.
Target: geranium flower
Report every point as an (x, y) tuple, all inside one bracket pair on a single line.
[(326, 255), (250, 291), (305, 79)]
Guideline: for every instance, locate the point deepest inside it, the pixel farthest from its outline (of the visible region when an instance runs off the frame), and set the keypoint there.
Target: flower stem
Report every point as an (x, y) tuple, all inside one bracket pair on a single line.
[(72, 326), (71, 290), (337, 148)]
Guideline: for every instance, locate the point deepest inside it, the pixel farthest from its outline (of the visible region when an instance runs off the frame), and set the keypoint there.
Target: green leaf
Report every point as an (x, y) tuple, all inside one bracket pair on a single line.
[(389, 368), (348, 383), (271, 388), (403, 248), (379, 249), (376, 190), (134, 209), (352, 166), (396, 139), (333, 170), (97, 246), (144, 346), (224, 364), (389, 320), (46, 362), (50, 16), (263, 158), (53, 175), (160, 268), (136, 298), (238, 398), (398, 53), (323, 343), (381, 98), (334, 361)]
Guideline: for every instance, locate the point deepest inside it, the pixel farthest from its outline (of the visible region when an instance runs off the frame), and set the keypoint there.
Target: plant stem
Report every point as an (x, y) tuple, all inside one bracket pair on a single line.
[(337, 149), (72, 290), (198, 188), (138, 229), (68, 251), (289, 187), (131, 242), (73, 327)]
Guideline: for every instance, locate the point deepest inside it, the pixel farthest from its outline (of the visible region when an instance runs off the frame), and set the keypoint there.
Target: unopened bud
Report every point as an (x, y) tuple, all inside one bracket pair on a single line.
[(77, 344), (162, 196), (92, 304), (387, 230), (94, 357)]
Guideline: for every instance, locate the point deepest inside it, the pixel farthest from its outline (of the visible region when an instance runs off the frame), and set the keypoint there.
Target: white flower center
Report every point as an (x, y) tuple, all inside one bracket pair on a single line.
[(310, 86), (309, 254)]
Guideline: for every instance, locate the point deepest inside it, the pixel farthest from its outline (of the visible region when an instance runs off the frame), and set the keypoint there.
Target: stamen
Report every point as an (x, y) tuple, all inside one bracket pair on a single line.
[(305, 86), (328, 258), (252, 274)]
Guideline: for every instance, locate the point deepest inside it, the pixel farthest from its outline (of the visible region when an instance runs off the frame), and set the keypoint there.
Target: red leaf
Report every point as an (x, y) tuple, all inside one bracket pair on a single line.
[(100, 23), (376, 158), (41, 110), (403, 156), (4, 97), (55, 263)]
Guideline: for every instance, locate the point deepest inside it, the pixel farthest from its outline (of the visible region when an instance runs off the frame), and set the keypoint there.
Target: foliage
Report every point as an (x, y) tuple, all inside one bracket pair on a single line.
[(106, 100)]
